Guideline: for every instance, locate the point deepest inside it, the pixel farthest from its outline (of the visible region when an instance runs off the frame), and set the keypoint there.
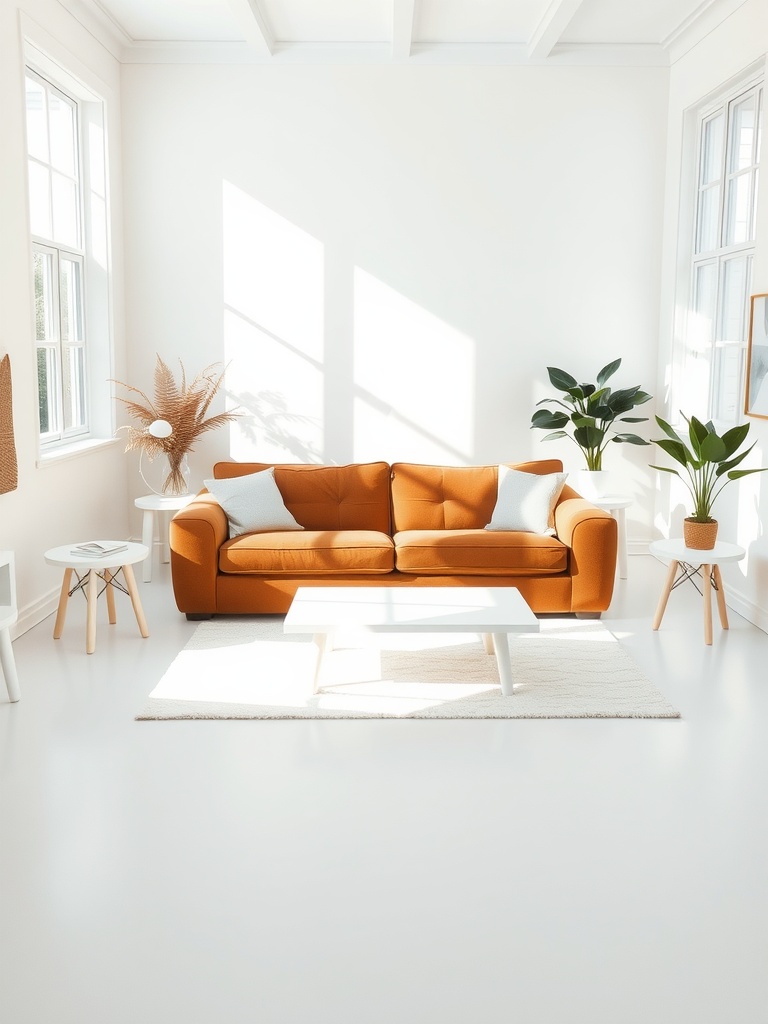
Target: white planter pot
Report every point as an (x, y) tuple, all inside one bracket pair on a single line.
[(594, 483)]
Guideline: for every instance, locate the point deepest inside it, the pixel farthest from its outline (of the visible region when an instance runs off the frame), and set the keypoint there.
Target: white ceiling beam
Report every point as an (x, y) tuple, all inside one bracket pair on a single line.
[(555, 21), (253, 25), (403, 12)]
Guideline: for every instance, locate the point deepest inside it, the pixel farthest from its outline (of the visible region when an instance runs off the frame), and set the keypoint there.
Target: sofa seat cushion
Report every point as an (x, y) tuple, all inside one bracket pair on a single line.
[(478, 553), (309, 552)]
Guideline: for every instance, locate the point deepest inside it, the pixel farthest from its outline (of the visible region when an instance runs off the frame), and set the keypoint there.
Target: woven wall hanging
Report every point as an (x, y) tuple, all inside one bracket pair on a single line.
[(9, 473)]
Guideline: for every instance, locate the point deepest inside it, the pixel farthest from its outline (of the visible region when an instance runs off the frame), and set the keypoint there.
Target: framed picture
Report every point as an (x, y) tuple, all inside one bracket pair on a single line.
[(756, 399)]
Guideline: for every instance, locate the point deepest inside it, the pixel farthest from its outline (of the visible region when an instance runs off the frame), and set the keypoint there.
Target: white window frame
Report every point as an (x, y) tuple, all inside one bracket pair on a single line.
[(52, 66), (698, 387)]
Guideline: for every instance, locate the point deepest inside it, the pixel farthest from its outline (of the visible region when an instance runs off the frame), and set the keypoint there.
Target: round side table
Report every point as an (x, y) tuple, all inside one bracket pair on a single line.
[(89, 570), (617, 504), (164, 505), (692, 563)]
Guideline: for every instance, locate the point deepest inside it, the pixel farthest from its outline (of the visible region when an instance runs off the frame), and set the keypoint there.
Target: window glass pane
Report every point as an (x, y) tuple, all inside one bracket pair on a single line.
[(71, 301), (43, 265), (712, 150), (39, 200), (46, 389), (62, 133), (74, 386), (37, 125), (709, 211), (743, 122), (702, 326), (727, 374), (738, 214), (65, 221), (736, 274)]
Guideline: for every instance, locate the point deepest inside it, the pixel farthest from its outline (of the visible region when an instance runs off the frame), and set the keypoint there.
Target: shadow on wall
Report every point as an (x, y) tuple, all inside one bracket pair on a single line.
[(269, 424)]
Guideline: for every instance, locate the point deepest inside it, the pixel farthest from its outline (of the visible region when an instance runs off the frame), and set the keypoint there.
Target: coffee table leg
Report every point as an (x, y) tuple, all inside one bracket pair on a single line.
[(501, 645), (322, 643), (9, 666), (488, 643), (61, 613), (138, 611), (721, 606), (665, 595), (91, 596)]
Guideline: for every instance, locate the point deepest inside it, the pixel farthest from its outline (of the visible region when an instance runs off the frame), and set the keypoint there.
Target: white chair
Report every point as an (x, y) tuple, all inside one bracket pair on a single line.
[(8, 615)]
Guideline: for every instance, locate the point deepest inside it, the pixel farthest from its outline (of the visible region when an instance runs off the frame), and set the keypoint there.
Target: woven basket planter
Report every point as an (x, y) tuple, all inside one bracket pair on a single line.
[(700, 536)]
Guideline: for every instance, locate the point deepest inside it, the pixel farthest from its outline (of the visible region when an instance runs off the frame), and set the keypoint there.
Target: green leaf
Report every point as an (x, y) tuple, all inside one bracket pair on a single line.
[(582, 421), (713, 449), (587, 389), (560, 379), (677, 450), (642, 397), (546, 419), (737, 474), (732, 463), (633, 419), (734, 438), (588, 437), (668, 430), (554, 434), (697, 432), (629, 439), (608, 371), (666, 469)]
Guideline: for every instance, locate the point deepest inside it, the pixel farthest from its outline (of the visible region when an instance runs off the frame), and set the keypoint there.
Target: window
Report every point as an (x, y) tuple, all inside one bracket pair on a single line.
[(68, 224), (719, 279)]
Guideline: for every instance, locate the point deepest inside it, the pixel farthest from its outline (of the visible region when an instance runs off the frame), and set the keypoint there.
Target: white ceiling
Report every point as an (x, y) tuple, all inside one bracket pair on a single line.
[(515, 30)]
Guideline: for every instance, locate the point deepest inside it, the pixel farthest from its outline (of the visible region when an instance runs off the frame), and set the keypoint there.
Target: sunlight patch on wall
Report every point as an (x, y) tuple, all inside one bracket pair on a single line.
[(273, 332), (414, 380)]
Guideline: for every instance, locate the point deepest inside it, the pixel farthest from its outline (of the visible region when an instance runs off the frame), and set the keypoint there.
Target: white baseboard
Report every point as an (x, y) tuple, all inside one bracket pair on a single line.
[(34, 613), (747, 608)]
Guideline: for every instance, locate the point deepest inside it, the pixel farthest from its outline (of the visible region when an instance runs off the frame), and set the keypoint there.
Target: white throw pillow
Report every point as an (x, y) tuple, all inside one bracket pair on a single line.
[(253, 503), (526, 501)]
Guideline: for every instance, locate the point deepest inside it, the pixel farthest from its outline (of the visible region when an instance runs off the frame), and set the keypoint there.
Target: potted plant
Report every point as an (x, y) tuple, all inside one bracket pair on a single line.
[(710, 463), (591, 410), (176, 418)]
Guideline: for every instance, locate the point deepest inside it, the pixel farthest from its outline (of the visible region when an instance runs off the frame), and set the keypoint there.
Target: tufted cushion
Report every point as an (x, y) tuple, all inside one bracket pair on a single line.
[(309, 552), (478, 553)]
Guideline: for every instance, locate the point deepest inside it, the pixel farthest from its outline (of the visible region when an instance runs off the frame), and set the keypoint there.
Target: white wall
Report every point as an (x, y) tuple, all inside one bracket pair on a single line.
[(741, 510), (391, 256), (87, 495)]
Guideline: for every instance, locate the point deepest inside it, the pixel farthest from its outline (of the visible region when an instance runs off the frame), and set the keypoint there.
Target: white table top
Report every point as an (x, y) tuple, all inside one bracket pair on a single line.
[(410, 609), (675, 550), (163, 502), (127, 556)]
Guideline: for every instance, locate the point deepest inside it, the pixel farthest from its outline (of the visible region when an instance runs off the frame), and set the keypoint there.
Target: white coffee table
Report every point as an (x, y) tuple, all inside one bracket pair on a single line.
[(89, 570), (691, 562), (493, 611), (164, 505)]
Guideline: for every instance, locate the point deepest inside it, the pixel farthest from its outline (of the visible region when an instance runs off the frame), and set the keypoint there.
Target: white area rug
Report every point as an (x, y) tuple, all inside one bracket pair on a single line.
[(247, 668)]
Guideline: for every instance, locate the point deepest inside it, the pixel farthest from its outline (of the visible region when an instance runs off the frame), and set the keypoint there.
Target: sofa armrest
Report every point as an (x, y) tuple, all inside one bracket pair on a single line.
[(196, 534), (592, 535)]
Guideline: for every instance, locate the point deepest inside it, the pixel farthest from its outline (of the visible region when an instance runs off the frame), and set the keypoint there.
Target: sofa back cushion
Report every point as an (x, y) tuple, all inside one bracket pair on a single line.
[(352, 497), (450, 497)]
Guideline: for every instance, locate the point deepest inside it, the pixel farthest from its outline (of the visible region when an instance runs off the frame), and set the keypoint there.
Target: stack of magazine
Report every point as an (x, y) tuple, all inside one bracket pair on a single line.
[(99, 548)]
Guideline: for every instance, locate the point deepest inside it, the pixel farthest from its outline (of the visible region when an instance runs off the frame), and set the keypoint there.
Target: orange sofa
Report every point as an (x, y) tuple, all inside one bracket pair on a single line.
[(372, 524)]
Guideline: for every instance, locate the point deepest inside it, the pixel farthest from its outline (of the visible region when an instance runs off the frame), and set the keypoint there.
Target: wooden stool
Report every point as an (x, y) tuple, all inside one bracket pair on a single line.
[(89, 570), (692, 562)]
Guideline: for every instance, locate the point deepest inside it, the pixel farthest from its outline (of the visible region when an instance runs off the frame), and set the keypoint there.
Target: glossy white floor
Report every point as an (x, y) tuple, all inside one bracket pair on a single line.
[(610, 872)]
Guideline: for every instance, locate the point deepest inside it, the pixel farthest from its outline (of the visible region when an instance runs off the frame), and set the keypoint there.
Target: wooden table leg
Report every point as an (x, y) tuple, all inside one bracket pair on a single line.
[(662, 605), (92, 596), (61, 613), (488, 643), (138, 611), (110, 597), (721, 606), (147, 538), (707, 593)]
